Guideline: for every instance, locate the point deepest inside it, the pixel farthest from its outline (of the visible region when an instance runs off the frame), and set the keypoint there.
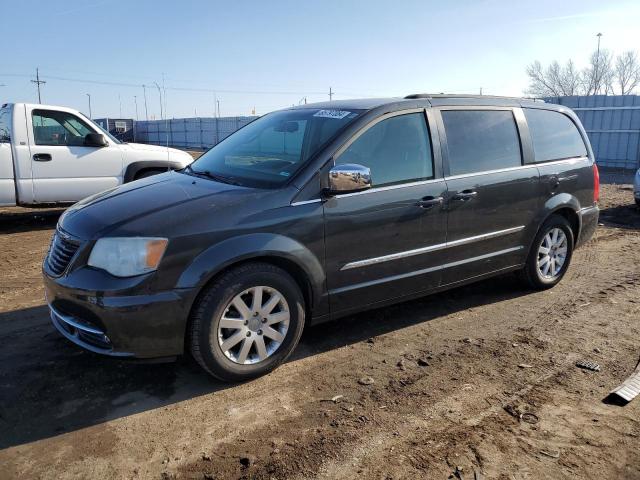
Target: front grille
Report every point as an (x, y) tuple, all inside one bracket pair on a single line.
[(61, 252)]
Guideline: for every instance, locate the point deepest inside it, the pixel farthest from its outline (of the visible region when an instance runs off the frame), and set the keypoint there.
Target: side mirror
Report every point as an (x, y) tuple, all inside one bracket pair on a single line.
[(95, 140), (349, 178)]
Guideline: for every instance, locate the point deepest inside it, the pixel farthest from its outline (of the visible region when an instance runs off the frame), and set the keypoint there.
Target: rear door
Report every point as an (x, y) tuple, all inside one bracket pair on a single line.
[(63, 169), (493, 197), (378, 241)]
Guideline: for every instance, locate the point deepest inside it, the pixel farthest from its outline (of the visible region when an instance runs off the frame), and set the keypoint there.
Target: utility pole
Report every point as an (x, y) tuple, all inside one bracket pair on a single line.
[(480, 91), (146, 112), (135, 100), (160, 95), (120, 103), (218, 105), (330, 94), (38, 82), (90, 115), (596, 82)]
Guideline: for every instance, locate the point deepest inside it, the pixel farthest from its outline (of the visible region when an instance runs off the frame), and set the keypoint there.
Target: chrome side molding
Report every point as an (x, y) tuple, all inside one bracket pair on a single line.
[(431, 248)]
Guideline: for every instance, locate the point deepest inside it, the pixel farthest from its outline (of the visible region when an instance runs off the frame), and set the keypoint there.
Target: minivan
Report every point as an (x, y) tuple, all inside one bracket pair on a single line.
[(315, 212)]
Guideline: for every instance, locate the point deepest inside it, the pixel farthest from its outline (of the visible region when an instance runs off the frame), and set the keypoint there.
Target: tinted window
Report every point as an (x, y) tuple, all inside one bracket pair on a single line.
[(554, 135), (58, 128), (480, 140), (396, 150), (272, 148), (5, 124)]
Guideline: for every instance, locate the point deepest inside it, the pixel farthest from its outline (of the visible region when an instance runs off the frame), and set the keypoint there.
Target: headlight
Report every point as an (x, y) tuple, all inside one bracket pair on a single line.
[(127, 256)]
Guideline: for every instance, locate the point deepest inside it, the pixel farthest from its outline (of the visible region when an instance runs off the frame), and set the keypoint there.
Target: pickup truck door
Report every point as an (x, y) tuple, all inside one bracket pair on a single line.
[(7, 183), (63, 168)]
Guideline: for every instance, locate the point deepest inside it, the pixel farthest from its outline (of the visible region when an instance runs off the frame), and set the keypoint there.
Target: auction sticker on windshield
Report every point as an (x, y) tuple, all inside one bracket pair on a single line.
[(337, 114)]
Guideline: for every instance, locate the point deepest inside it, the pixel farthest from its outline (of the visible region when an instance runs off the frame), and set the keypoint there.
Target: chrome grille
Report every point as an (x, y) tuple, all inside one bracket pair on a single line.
[(61, 252)]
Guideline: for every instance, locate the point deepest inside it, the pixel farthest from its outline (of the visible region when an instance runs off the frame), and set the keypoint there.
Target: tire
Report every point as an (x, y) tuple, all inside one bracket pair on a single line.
[(147, 173), (535, 277), (209, 342)]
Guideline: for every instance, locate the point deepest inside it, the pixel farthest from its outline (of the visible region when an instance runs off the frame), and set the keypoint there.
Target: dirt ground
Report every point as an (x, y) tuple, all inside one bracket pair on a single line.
[(481, 379)]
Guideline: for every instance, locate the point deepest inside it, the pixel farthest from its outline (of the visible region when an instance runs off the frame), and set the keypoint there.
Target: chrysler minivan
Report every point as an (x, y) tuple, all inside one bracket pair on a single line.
[(315, 212)]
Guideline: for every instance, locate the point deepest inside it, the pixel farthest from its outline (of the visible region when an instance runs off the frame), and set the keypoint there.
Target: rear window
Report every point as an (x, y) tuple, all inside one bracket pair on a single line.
[(5, 124), (554, 135), (481, 140)]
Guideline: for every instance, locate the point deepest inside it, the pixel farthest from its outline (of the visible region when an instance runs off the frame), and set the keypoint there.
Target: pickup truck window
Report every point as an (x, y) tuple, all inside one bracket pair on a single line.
[(51, 127), (5, 125)]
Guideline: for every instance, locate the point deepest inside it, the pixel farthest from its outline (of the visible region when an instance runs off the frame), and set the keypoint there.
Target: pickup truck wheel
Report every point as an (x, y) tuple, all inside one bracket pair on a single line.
[(247, 322), (550, 254)]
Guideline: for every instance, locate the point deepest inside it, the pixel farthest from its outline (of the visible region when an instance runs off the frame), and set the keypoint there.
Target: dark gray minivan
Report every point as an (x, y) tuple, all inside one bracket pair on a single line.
[(315, 212)]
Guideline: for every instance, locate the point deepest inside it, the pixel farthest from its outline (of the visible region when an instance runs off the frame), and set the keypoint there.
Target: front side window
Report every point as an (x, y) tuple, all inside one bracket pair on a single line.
[(271, 149), (397, 150), (554, 135), (58, 128), (481, 140), (5, 124)]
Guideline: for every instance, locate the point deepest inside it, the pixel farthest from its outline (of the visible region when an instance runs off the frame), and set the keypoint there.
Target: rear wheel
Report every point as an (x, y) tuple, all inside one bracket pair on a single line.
[(247, 322), (550, 254)]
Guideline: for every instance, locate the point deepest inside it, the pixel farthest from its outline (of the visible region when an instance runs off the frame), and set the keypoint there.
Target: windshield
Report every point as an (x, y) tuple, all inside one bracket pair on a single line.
[(272, 148)]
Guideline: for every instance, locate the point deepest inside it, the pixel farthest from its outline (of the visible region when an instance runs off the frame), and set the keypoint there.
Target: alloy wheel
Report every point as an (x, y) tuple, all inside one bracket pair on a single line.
[(552, 253), (253, 325)]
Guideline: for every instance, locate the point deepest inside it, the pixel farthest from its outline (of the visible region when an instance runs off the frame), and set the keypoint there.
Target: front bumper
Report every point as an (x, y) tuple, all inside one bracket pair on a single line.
[(127, 322)]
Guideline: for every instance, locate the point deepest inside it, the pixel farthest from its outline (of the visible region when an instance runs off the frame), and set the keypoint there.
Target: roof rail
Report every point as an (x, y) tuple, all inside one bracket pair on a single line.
[(414, 96)]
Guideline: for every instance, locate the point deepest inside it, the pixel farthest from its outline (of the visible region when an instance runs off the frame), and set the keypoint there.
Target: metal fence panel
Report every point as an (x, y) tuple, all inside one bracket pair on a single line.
[(195, 133), (612, 123)]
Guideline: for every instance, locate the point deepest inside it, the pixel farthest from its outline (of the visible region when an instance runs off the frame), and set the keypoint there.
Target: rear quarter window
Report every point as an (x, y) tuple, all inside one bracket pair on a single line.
[(554, 135)]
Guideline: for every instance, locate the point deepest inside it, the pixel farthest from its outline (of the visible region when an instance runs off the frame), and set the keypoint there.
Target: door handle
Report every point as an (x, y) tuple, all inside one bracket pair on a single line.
[(42, 157), (430, 202), (465, 195)]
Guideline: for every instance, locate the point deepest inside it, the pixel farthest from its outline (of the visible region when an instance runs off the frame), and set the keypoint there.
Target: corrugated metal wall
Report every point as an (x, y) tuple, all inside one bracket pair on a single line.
[(613, 125), (188, 132)]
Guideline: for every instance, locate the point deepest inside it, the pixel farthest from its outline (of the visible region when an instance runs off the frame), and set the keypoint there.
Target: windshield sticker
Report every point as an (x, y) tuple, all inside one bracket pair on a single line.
[(337, 114)]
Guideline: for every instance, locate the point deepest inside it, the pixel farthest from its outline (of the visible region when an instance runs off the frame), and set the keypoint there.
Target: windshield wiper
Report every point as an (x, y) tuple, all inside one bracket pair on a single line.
[(213, 176)]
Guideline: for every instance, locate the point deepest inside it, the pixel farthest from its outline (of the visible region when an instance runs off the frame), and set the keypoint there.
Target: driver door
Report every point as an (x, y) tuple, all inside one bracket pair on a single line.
[(63, 168)]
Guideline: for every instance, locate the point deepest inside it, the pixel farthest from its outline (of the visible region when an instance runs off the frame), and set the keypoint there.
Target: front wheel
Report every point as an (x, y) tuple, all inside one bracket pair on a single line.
[(247, 322), (550, 254)]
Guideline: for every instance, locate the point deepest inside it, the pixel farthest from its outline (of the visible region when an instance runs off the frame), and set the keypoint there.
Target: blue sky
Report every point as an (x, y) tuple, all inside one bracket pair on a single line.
[(271, 54)]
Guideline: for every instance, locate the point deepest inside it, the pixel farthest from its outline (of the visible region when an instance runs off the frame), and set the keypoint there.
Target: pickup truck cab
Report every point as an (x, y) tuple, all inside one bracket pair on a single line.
[(54, 155)]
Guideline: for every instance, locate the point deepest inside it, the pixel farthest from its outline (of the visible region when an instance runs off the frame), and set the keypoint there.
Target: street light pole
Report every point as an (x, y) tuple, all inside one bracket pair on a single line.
[(135, 100), (146, 112), (160, 96), (596, 86), (89, 96)]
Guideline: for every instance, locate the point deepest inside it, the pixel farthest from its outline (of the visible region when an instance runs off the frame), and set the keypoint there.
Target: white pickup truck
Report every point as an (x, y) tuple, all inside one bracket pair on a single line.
[(54, 155)]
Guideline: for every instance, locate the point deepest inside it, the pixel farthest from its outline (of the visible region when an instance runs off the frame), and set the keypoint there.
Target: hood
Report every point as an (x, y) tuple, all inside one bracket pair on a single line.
[(161, 205), (141, 151)]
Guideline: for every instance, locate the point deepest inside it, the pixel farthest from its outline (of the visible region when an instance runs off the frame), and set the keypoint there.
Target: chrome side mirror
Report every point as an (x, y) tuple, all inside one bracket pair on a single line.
[(348, 178)]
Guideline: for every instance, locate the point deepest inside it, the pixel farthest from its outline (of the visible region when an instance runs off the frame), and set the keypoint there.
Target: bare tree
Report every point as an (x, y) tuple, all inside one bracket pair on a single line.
[(627, 71), (554, 81), (597, 78)]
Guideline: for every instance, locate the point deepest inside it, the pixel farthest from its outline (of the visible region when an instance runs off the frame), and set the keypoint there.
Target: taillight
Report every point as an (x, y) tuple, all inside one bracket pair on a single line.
[(596, 183)]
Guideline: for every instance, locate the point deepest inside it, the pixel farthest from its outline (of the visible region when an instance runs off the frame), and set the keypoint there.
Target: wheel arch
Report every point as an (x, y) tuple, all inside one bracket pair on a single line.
[(284, 252), (135, 168)]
